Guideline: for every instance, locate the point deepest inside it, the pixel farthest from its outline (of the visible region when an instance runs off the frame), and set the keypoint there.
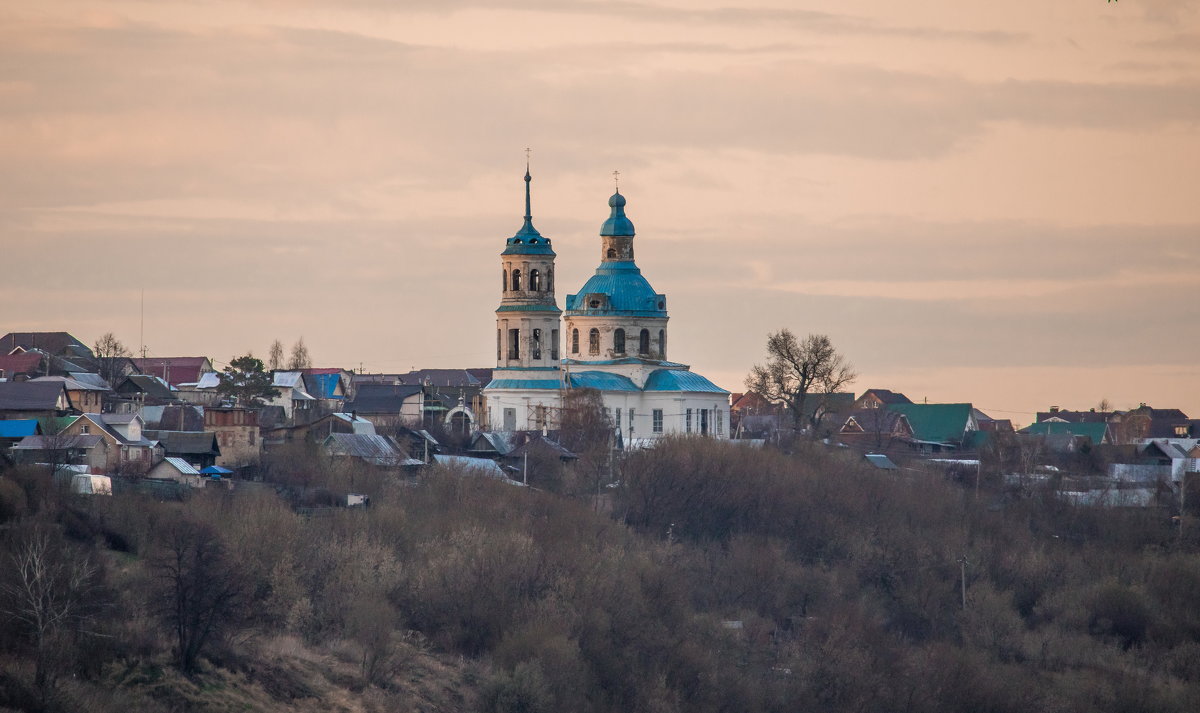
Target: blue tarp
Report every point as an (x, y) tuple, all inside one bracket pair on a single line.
[(18, 428), (216, 470)]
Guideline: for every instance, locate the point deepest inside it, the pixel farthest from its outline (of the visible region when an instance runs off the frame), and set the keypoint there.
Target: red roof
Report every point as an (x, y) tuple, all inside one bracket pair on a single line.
[(21, 363), (173, 370)]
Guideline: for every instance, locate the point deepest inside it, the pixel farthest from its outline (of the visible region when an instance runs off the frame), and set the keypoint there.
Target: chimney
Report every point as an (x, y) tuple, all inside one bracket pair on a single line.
[(1053, 409)]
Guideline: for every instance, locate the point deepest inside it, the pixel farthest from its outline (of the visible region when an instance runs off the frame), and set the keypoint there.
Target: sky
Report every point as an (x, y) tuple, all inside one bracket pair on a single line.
[(985, 202)]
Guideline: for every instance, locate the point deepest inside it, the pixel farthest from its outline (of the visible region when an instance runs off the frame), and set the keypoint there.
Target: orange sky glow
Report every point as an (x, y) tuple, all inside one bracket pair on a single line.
[(995, 203)]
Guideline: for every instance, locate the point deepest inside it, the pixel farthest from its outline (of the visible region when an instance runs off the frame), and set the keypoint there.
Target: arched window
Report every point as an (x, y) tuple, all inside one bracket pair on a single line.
[(504, 282), (535, 280), (594, 341), (612, 253), (549, 279), (516, 281), (644, 342), (619, 341), (662, 344), (574, 341)]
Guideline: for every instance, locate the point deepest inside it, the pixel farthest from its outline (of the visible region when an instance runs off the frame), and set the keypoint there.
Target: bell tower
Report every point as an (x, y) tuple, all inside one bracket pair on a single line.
[(527, 320)]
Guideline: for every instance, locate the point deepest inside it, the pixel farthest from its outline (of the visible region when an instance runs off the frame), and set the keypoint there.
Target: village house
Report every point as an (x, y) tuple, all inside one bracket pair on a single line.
[(34, 399), (86, 391), (59, 352), (176, 370), (389, 405), (127, 451), (237, 434), (876, 428)]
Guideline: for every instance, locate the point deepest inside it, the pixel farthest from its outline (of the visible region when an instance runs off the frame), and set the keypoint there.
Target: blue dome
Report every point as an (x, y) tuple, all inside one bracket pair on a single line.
[(621, 290), (617, 223)]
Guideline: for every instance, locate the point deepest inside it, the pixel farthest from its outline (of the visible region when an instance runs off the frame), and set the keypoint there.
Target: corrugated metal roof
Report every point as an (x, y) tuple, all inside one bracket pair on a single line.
[(1093, 431), (18, 428), (323, 386), (523, 384), (381, 398), (680, 380), (938, 423), (182, 466), (880, 461), (288, 379), (602, 381), (481, 466), (378, 450)]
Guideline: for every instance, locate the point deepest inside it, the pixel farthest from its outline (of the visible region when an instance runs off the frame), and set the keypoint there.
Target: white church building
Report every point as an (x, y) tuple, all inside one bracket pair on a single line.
[(611, 338)]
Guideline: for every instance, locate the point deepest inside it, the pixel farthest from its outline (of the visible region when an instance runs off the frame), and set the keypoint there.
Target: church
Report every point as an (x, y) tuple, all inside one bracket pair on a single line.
[(611, 338)]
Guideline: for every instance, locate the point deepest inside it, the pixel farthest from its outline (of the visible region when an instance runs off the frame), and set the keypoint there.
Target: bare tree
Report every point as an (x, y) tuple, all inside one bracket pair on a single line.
[(200, 592), (46, 590), (275, 356), (801, 375), (110, 356), (300, 358)]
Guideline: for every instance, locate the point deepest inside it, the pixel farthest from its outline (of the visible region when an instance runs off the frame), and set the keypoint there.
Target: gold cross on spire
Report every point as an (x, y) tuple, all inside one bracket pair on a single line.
[(527, 152), (617, 180)]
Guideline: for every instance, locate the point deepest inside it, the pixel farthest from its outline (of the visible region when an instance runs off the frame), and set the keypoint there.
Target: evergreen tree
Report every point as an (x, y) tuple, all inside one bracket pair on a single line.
[(246, 381)]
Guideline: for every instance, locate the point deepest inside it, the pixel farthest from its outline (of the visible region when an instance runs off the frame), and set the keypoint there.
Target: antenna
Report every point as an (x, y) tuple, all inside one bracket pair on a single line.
[(142, 325)]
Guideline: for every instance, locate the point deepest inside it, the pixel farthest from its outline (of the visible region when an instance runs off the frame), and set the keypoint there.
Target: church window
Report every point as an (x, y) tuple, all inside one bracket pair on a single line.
[(594, 341), (720, 418), (539, 416), (612, 253), (514, 344), (574, 341), (498, 344), (535, 280), (617, 417), (554, 344), (687, 421), (536, 347), (657, 420), (594, 304), (703, 422), (662, 344), (504, 282), (516, 279), (644, 342), (619, 341), (631, 420), (549, 279)]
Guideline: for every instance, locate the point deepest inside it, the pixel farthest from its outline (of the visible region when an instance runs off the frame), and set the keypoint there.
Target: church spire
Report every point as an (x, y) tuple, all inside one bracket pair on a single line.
[(528, 240)]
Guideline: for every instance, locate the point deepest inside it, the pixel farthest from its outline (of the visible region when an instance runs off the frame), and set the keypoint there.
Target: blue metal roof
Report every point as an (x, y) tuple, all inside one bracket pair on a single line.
[(617, 223), (628, 293), (528, 308), (602, 381), (326, 385), (680, 380), (18, 428), (622, 360), (523, 384)]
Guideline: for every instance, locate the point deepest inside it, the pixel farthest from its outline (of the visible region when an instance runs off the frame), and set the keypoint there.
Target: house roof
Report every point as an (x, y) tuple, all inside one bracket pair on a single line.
[(176, 370), (74, 384), (880, 461), (537, 443), (18, 428), (377, 450), (44, 443), (188, 442), (324, 385), (480, 466), (181, 465), (442, 377), (500, 442), (57, 343), (147, 384), (21, 363), (887, 396), (937, 423), (94, 380), (1093, 431), (1075, 416), (30, 395), (381, 398), (874, 420)]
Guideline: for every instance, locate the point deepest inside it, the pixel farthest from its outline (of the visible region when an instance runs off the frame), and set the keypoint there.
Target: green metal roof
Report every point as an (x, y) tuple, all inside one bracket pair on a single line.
[(680, 380), (617, 223), (1094, 431), (940, 423)]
